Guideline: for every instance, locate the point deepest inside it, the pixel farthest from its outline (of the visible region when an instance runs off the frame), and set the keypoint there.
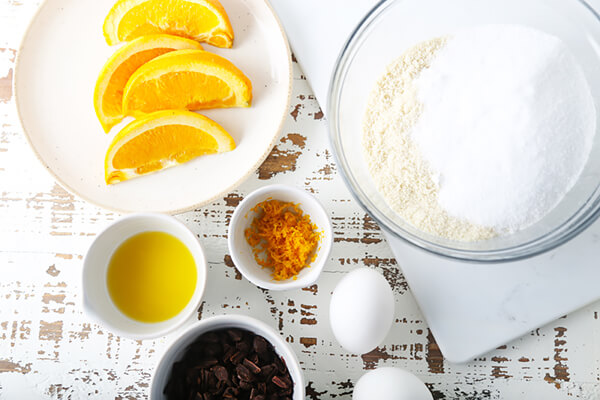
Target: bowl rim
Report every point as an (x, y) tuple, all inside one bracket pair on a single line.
[(326, 244), (585, 216), (89, 309), (243, 322)]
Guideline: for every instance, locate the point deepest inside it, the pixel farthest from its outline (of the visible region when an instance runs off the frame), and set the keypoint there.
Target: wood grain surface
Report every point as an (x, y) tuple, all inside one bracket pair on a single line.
[(50, 350)]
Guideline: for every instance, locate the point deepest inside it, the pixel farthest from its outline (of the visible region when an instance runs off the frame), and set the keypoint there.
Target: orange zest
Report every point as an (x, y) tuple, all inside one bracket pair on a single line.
[(282, 238)]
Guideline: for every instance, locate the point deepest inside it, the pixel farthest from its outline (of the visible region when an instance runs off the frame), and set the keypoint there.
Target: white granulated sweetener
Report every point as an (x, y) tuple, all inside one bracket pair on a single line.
[(480, 133), (507, 125)]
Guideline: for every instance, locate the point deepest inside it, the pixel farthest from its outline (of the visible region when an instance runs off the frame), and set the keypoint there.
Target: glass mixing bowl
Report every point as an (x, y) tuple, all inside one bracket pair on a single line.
[(395, 25)]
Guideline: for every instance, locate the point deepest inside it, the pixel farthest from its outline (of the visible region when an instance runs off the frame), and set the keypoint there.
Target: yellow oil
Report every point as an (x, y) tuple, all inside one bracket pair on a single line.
[(151, 276)]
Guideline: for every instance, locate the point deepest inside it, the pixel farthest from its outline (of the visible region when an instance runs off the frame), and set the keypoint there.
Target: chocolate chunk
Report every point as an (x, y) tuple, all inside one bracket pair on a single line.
[(279, 382), (280, 364), (255, 369), (207, 362), (243, 347), (209, 337), (260, 346), (235, 334), (229, 353), (231, 392), (262, 387), (245, 385), (220, 372), (268, 371), (237, 357), (244, 373)]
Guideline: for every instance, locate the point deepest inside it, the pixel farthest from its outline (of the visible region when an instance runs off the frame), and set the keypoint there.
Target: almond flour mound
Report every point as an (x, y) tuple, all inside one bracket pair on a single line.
[(401, 175)]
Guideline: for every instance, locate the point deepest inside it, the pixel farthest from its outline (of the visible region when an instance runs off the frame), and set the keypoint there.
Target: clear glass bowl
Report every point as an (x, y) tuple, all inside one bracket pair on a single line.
[(395, 25)]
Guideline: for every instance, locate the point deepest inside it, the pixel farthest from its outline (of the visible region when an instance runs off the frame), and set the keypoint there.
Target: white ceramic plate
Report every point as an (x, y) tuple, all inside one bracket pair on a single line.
[(57, 66)]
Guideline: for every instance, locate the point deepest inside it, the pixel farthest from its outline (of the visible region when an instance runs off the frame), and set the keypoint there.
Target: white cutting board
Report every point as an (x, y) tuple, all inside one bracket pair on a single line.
[(470, 308)]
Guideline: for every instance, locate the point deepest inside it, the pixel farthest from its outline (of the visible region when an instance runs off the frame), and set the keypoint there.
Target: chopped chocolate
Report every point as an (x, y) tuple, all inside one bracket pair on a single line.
[(232, 364)]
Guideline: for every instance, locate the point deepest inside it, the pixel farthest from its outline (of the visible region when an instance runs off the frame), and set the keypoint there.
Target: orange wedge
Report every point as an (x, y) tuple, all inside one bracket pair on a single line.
[(186, 79), (108, 95), (201, 20), (162, 140)]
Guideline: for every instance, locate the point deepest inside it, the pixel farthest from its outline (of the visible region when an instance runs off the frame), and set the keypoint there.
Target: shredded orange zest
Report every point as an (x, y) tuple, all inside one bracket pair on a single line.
[(282, 238)]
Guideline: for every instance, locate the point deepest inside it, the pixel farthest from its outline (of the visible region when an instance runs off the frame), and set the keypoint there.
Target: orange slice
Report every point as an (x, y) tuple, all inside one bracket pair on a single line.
[(108, 95), (186, 79), (202, 20), (162, 140)]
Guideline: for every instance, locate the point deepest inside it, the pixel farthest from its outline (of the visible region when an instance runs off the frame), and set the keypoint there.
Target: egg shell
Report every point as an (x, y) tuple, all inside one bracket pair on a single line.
[(390, 384), (361, 311)]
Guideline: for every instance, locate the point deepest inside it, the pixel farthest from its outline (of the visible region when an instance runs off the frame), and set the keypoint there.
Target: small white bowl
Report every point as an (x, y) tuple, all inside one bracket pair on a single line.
[(178, 347), (96, 299), (241, 251)]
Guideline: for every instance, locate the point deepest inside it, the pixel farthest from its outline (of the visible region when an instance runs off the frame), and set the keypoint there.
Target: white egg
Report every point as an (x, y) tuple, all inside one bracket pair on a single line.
[(361, 310), (390, 384)]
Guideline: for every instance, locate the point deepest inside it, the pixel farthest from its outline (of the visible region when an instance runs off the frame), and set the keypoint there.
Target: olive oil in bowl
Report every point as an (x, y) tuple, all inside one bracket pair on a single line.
[(151, 277)]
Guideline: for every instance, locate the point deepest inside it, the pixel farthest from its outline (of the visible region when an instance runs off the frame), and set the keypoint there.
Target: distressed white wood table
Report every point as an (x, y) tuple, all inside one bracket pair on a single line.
[(50, 350)]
